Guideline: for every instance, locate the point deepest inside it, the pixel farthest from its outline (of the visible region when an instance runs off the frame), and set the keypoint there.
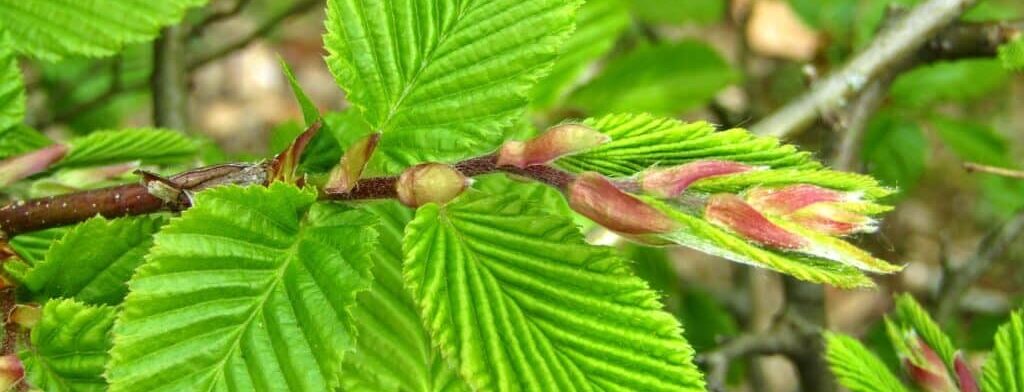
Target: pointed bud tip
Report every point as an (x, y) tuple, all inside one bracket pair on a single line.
[(25, 165), (731, 212), (597, 198), (430, 183), (350, 168), (556, 142), (672, 181), (283, 167), (965, 378), (785, 200)]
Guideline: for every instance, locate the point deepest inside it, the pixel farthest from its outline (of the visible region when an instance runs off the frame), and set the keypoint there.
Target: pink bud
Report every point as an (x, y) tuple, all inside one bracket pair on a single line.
[(731, 212), (283, 167), (832, 219), (22, 166), (672, 181), (929, 380), (965, 379), (345, 176), (26, 316), (430, 183), (11, 372), (554, 143), (782, 201), (595, 197)]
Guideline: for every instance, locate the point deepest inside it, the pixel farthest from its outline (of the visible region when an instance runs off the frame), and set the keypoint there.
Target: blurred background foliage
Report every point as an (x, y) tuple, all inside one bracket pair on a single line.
[(727, 62)]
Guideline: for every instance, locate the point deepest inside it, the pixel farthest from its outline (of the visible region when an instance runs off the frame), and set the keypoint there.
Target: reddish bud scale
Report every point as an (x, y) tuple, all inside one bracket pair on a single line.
[(965, 379), (928, 380), (430, 183), (283, 167), (11, 372), (782, 201), (672, 181), (831, 219), (731, 212), (554, 143), (595, 197), (346, 174), (22, 166)]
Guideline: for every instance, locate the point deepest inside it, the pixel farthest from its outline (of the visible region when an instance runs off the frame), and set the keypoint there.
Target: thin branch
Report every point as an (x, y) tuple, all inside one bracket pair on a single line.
[(867, 103), (887, 50), (956, 281), (780, 340), (263, 29), (972, 167), (169, 81), (214, 17)]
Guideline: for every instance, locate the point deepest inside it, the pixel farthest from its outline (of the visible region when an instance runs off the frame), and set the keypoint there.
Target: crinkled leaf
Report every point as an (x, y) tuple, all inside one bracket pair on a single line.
[(1004, 368), (542, 197), (955, 81), (857, 368), (442, 80), (908, 317), (93, 261), (52, 29), (393, 352), (1012, 55), (598, 24), (154, 146), (663, 79), (68, 350), (515, 298), (248, 289)]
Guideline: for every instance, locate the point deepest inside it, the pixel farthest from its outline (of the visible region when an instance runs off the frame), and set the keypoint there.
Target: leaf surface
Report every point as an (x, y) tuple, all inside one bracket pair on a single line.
[(1004, 368), (15, 138), (857, 368), (69, 346), (151, 146)]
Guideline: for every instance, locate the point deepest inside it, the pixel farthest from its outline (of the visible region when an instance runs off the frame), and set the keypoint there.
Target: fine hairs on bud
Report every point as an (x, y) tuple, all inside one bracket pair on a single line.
[(597, 198), (554, 143), (430, 183)]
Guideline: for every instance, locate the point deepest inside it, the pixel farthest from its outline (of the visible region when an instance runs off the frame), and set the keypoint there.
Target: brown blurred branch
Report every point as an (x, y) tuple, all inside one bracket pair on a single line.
[(923, 27), (956, 280), (783, 339), (999, 171), (264, 28)]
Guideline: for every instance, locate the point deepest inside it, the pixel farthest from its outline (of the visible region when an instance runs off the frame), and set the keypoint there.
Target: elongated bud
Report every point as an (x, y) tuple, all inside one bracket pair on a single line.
[(785, 200), (11, 372), (554, 143), (731, 212), (284, 166), (595, 197), (964, 377), (832, 219), (22, 166), (672, 181), (26, 316), (926, 368), (430, 183), (345, 176)]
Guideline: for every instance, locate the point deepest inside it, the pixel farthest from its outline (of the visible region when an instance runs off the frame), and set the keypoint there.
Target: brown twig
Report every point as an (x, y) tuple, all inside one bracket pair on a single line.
[(972, 167)]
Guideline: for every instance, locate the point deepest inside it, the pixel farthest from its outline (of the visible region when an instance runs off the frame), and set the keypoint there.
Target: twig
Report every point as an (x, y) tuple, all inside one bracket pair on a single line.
[(783, 339), (214, 17), (805, 308), (169, 82), (38, 214), (263, 29), (856, 123), (956, 281), (891, 47), (999, 171)]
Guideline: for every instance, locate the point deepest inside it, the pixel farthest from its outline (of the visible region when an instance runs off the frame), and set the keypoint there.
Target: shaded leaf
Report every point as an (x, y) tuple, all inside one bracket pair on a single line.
[(956, 81), (895, 150), (68, 350), (152, 146)]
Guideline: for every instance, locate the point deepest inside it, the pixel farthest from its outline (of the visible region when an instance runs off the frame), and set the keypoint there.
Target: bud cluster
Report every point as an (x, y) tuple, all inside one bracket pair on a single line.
[(928, 371)]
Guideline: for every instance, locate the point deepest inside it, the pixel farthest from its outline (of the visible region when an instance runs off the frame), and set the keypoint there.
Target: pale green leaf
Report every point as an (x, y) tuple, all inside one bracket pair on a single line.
[(393, 352), (954, 81), (151, 146), (442, 79), (1012, 55), (665, 79), (248, 289), (598, 24), (909, 316), (68, 350), (540, 196), (661, 11), (52, 29), (93, 261), (516, 299), (857, 368), (15, 138), (1004, 368)]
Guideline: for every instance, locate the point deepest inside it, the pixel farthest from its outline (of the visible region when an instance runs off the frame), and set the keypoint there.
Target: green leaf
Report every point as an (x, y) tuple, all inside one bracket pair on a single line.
[(310, 113), (442, 80), (972, 141), (857, 368), (540, 196), (248, 289), (52, 29), (1004, 369), (393, 352), (1012, 55), (68, 350), (664, 79), (516, 299), (15, 138), (93, 261), (955, 81), (598, 24), (895, 150), (674, 12), (150, 146), (32, 246), (910, 316)]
